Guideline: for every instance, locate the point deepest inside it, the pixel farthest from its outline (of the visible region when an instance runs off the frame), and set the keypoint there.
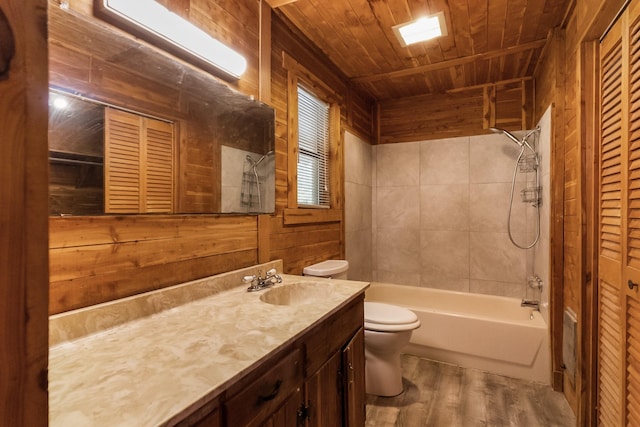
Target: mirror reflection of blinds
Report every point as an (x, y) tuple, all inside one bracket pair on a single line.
[(313, 150)]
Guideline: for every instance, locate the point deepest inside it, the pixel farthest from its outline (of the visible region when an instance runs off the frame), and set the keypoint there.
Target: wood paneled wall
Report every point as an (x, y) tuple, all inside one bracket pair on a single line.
[(303, 244), (23, 214), (97, 259), (550, 82), (565, 80), (465, 112)]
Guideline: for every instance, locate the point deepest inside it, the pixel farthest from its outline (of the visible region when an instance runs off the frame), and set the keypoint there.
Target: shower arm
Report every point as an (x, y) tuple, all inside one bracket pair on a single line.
[(525, 141)]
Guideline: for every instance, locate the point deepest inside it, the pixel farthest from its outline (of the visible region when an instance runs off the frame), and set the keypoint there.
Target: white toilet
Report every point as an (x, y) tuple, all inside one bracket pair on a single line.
[(387, 329)]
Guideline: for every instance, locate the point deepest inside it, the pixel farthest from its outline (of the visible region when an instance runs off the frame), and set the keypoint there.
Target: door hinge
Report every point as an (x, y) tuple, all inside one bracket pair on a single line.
[(303, 414)]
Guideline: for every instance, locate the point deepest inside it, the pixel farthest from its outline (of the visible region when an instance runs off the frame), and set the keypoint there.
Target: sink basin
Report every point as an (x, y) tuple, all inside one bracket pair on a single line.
[(297, 293)]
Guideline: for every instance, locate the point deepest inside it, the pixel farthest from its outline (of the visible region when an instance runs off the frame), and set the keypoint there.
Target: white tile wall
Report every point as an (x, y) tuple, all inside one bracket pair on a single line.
[(358, 207), (434, 213)]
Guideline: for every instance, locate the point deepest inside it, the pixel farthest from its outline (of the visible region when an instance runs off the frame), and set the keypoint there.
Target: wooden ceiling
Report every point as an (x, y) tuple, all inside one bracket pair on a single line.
[(488, 41)]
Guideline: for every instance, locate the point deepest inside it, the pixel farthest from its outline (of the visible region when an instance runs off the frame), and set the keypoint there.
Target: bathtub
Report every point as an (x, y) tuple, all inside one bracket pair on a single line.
[(485, 332)]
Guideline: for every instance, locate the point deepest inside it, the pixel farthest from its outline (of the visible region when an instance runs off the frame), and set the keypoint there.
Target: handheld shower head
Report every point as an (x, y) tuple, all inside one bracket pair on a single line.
[(508, 135), (255, 163), (521, 143), (263, 157)]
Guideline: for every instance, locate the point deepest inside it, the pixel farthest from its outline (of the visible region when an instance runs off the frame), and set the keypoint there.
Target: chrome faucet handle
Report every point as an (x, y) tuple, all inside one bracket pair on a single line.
[(253, 282), (273, 274)]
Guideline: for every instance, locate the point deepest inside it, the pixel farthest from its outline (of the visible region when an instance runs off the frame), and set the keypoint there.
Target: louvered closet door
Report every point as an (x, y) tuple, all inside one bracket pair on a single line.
[(158, 166), (122, 183), (619, 255), (139, 164)]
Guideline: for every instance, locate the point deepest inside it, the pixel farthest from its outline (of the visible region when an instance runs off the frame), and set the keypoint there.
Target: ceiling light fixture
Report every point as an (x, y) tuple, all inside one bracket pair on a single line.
[(422, 29), (171, 32)]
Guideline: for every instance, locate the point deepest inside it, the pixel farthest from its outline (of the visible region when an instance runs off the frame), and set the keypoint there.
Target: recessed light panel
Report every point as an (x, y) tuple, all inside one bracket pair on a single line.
[(422, 29)]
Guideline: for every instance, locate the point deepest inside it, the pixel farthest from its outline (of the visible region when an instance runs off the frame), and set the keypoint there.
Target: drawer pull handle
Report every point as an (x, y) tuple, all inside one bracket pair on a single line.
[(632, 285), (271, 395)]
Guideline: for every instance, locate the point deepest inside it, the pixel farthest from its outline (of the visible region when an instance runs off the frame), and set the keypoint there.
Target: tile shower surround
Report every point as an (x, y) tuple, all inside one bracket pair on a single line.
[(439, 212)]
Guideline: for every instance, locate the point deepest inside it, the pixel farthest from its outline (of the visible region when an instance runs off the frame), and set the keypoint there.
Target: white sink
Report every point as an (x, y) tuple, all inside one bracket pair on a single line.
[(297, 293)]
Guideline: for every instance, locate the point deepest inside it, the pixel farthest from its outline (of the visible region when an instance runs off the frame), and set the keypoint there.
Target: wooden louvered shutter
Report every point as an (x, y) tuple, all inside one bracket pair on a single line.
[(122, 161), (610, 250), (619, 255), (631, 272), (158, 167), (139, 164)]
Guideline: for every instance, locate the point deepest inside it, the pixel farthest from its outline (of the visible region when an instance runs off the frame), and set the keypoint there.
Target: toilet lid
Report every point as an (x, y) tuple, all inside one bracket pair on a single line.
[(387, 314)]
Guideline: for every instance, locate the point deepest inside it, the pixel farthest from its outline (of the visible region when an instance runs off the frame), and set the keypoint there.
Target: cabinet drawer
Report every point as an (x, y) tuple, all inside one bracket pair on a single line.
[(266, 393)]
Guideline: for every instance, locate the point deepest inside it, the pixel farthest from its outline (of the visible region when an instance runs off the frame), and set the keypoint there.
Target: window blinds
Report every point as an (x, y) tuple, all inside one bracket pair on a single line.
[(313, 150)]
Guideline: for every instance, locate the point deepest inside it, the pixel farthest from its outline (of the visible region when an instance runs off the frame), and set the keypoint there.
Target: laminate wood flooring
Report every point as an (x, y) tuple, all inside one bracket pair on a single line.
[(442, 395)]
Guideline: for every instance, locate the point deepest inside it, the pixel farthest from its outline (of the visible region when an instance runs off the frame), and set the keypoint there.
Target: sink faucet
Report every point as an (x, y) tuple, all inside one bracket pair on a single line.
[(530, 303), (257, 282)]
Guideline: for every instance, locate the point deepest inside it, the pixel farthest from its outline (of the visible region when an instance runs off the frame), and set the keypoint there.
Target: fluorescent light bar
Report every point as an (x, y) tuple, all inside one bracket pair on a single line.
[(159, 20), (421, 29)]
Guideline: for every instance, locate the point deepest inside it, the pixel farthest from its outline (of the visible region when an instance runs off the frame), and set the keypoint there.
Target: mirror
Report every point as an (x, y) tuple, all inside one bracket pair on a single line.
[(216, 144)]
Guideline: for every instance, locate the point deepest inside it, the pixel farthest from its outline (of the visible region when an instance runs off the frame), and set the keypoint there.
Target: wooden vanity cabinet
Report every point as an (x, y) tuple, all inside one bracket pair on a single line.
[(335, 375), (316, 381)]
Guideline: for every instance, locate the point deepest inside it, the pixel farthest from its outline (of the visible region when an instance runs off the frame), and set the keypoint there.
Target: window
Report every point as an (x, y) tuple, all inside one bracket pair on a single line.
[(313, 150)]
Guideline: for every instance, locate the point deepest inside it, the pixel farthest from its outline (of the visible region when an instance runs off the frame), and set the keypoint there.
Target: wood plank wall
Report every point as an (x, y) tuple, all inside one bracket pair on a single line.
[(549, 84), (302, 244), (563, 80), (462, 112), (97, 259), (23, 214)]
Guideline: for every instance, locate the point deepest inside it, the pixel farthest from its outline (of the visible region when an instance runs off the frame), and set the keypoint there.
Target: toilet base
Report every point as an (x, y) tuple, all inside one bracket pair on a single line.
[(383, 377), (383, 371)]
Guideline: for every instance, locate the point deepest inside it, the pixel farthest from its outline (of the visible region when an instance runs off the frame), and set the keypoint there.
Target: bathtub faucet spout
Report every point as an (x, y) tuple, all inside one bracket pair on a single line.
[(531, 304)]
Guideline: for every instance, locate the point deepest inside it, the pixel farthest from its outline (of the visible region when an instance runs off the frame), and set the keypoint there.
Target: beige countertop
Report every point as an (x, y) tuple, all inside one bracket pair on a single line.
[(153, 369)]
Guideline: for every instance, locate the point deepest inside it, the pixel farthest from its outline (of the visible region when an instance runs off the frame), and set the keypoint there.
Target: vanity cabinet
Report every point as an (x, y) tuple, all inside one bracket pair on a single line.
[(317, 380)]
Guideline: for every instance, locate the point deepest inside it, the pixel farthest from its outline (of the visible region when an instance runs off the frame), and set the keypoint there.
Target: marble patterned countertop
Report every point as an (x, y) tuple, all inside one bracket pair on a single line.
[(118, 364)]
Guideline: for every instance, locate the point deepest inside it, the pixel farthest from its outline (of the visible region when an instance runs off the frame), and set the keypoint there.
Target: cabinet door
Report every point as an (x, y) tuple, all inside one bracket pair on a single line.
[(324, 394), (289, 413), (353, 364)]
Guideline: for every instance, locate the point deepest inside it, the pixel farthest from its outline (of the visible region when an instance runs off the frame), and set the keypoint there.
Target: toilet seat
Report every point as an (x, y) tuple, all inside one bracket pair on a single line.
[(388, 318)]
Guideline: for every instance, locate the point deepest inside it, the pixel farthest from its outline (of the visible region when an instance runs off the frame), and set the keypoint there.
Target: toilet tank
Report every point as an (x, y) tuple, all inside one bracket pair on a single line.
[(333, 268)]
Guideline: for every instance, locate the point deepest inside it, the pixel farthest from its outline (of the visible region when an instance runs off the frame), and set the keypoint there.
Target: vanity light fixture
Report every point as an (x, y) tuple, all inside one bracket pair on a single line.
[(156, 24), (422, 29)]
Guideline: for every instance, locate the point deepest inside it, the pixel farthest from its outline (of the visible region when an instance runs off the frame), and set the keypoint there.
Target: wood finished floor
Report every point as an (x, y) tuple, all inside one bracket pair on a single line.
[(442, 395)]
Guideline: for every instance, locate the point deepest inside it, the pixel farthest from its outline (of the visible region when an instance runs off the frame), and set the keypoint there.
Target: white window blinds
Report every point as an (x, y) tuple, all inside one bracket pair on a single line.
[(313, 150)]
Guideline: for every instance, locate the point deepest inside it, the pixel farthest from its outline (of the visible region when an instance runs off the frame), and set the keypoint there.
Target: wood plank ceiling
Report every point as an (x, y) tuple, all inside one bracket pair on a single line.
[(488, 41)]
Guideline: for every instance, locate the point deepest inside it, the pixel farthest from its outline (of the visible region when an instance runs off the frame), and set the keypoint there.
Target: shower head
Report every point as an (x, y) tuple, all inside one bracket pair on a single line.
[(508, 135), (255, 163), (269, 153), (521, 143)]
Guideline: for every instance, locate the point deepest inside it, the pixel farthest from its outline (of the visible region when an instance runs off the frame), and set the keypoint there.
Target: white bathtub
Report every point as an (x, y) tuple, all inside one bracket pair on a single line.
[(477, 331)]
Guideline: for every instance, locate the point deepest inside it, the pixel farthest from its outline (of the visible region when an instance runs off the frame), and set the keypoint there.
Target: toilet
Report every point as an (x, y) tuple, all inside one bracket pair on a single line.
[(387, 329)]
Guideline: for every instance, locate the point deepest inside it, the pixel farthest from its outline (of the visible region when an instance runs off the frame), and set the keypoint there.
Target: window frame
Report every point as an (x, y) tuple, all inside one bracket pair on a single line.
[(323, 158), (298, 213)]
